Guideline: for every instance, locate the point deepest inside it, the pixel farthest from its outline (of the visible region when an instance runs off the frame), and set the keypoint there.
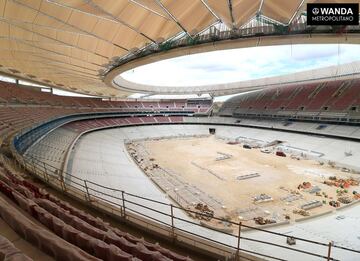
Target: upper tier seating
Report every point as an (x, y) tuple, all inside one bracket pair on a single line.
[(301, 97), (348, 97), (11, 94), (323, 94), (22, 107), (12, 119), (334, 97), (72, 234)]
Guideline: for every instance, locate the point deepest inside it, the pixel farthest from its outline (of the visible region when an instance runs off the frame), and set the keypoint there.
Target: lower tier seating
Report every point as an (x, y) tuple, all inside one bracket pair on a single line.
[(9, 252), (65, 232)]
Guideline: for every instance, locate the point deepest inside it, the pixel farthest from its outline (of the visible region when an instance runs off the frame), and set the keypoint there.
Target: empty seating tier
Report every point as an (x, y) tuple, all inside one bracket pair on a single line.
[(22, 107), (65, 232), (12, 94), (340, 97)]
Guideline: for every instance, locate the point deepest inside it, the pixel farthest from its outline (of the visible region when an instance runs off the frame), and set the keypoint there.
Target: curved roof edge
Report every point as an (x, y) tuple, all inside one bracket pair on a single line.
[(114, 79), (330, 73)]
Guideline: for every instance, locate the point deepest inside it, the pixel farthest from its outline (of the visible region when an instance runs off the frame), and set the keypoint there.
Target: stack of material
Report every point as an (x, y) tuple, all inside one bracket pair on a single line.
[(248, 176), (334, 203), (345, 200), (304, 185), (301, 212), (342, 183), (291, 197), (313, 190), (205, 213), (262, 198), (311, 204), (263, 221)]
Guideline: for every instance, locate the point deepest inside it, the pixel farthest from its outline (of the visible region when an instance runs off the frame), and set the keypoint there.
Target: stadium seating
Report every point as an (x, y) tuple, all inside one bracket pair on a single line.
[(301, 97), (21, 107), (162, 119), (133, 120), (148, 119), (12, 119), (11, 94), (52, 149), (348, 97), (9, 252), (71, 234), (176, 119), (323, 95), (75, 235), (84, 125), (332, 99)]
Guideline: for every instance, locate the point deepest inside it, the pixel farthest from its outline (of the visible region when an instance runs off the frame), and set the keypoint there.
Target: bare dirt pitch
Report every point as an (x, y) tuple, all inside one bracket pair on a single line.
[(239, 184)]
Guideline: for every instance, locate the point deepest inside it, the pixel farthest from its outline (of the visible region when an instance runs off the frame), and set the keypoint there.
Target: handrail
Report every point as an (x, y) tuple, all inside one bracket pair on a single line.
[(94, 191), (58, 121), (211, 36)]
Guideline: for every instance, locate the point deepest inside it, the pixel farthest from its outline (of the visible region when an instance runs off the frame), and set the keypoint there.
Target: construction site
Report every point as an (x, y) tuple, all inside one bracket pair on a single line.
[(244, 180)]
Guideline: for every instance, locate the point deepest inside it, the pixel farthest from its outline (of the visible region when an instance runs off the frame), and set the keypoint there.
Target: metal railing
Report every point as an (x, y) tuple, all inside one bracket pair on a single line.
[(25, 137), (169, 220), (213, 34)]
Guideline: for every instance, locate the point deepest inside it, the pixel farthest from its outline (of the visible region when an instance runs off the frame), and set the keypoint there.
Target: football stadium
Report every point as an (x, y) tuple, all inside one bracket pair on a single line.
[(179, 130)]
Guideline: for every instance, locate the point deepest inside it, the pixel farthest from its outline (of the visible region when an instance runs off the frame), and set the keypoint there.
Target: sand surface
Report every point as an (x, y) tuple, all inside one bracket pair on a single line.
[(214, 167)]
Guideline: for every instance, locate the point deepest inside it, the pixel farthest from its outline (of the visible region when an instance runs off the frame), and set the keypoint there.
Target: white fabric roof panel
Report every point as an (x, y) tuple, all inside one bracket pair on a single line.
[(69, 41)]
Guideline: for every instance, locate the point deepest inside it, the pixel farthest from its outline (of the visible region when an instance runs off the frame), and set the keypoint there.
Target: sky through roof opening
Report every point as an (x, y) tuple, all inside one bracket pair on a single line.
[(242, 64)]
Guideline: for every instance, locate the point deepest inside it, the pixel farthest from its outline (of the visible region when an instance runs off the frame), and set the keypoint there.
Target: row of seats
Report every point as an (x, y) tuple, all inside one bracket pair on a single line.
[(12, 119), (331, 96), (52, 149), (84, 125), (83, 232), (11, 94), (9, 252), (37, 235), (23, 107)]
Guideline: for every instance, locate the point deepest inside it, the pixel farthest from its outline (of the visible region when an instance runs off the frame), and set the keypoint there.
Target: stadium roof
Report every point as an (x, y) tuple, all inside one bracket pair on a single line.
[(69, 44)]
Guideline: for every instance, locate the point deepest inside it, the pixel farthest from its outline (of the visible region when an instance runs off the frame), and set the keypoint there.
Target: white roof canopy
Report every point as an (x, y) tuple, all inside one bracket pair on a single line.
[(64, 43)]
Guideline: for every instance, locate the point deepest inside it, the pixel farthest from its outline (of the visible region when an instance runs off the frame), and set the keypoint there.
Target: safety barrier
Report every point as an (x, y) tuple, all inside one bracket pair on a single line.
[(213, 34)]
